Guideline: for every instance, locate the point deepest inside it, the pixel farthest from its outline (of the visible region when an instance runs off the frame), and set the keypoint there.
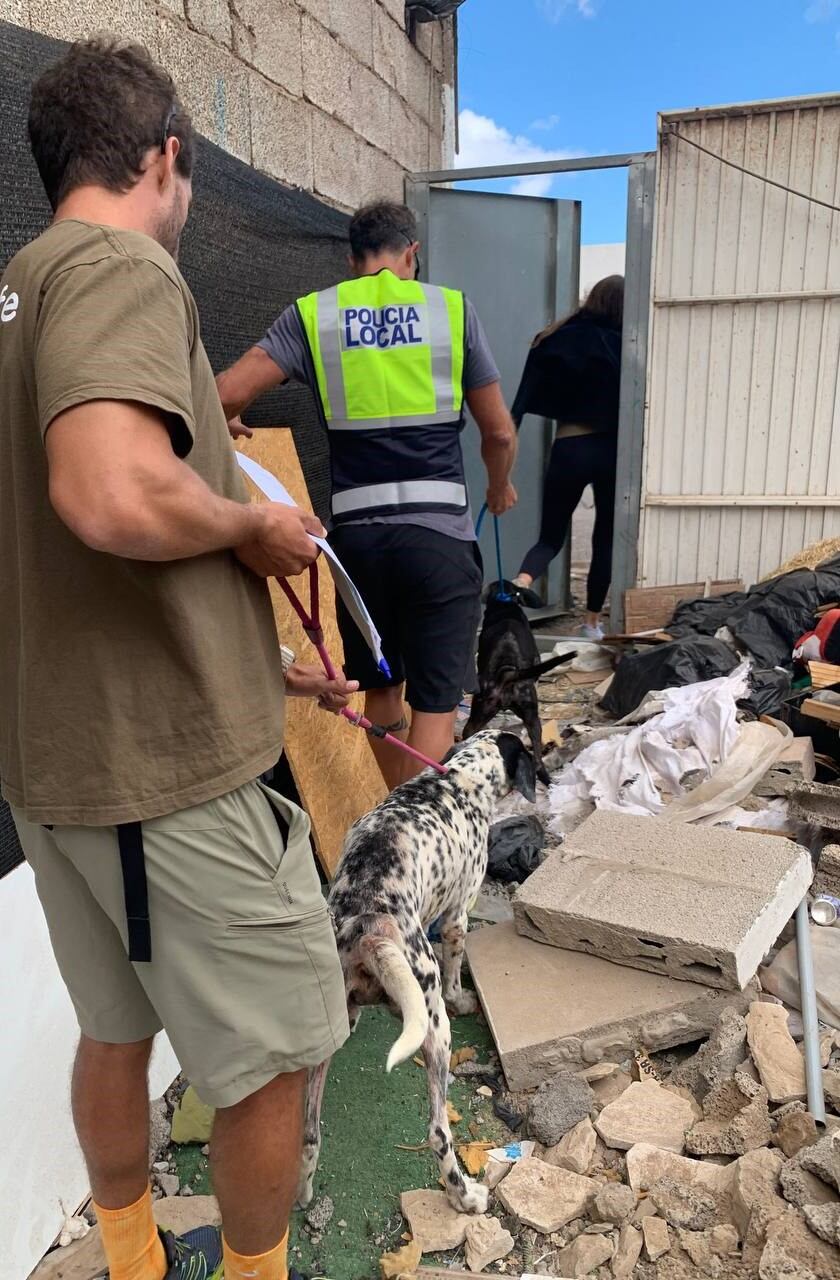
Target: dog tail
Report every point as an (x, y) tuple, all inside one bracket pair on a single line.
[(541, 668), (389, 966)]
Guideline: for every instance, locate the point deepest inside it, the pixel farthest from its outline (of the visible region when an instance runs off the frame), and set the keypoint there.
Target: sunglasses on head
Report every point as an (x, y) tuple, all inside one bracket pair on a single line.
[(167, 124)]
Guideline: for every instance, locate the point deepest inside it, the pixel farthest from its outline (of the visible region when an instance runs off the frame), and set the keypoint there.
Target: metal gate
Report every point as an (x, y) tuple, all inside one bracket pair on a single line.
[(517, 258)]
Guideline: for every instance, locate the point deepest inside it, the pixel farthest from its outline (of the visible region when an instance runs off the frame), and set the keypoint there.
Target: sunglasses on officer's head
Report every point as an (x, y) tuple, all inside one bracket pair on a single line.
[(170, 116), (411, 244)]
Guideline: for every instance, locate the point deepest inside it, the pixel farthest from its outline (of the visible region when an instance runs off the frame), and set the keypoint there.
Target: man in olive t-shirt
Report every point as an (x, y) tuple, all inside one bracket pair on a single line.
[(141, 687)]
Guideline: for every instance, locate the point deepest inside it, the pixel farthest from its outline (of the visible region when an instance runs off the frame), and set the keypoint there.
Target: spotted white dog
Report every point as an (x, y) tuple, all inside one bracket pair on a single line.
[(419, 857)]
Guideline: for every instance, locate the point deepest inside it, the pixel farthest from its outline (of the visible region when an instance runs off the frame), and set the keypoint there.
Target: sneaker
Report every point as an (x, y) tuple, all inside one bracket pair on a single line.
[(587, 632), (196, 1255)]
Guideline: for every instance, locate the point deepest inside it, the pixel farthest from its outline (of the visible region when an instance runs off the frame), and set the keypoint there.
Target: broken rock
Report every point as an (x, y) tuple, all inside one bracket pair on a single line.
[(646, 1112), (647, 1165), (794, 1131), (487, 1241), (434, 1224), (755, 1192), (774, 1052), (557, 1107), (169, 1183), (800, 1186), (824, 1221), (583, 1011), (627, 1251), (792, 1252), (544, 1197), (718, 1059), (615, 892), (584, 1255), (575, 1150), (823, 1159), (657, 1237), (614, 1203), (735, 1120), (688, 1207)]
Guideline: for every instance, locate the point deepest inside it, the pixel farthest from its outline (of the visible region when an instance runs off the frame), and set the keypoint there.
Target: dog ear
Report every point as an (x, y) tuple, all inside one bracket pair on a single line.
[(520, 765)]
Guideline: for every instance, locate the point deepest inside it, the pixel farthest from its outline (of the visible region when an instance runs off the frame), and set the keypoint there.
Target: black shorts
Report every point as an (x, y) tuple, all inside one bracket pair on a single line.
[(423, 591)]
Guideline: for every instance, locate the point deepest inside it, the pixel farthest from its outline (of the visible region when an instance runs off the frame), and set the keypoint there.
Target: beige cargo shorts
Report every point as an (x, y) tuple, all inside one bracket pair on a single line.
[(244, 974)]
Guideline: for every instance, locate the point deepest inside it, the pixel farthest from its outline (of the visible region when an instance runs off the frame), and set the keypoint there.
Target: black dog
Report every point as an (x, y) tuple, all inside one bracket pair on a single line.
[(508, 665)]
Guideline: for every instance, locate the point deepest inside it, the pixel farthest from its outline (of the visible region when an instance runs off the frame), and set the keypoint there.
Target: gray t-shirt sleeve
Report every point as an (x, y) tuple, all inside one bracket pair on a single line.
[(480, 368), (286, 344)]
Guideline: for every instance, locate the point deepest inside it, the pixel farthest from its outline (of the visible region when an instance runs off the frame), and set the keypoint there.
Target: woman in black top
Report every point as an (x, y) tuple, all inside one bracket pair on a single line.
[(572, 375)]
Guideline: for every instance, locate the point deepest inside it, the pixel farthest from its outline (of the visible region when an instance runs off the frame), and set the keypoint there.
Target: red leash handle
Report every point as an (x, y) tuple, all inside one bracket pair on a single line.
[(311, 623)]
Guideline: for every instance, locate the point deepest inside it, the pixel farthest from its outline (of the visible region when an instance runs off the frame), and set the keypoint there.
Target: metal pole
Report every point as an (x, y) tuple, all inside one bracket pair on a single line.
[(808, 1006)]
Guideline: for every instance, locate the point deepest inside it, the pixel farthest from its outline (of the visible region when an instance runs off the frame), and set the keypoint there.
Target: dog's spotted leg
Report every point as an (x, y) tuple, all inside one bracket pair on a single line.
[(453, 935), (311, 1132), (464, 1195)]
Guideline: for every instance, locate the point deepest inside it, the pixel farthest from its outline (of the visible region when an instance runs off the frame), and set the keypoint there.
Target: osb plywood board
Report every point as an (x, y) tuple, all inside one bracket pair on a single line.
[(333, 767), (651, 608)]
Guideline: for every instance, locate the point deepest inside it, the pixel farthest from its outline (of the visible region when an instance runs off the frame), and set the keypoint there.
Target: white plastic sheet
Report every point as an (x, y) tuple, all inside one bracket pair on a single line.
[(694, 730)]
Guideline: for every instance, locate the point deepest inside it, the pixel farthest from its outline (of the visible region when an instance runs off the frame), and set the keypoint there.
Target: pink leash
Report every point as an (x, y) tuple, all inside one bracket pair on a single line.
[(311, 623)]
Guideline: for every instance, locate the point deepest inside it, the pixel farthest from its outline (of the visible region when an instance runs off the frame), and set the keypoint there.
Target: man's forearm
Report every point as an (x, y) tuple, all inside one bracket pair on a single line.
[(498, 455)]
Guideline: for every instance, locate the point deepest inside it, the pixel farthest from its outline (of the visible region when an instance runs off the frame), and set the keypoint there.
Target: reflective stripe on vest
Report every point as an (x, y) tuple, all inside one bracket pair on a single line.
[(389, 362), (408, 493), (387, 352)]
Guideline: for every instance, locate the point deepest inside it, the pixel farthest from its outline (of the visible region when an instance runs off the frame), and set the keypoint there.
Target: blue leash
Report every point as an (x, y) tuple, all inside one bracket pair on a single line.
[(502, 595)]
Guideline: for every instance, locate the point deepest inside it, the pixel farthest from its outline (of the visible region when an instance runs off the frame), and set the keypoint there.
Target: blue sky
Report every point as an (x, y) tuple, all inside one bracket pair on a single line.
[(546, 77)]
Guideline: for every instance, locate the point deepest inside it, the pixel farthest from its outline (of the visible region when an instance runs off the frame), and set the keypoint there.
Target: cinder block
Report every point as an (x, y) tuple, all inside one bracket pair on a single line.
[(794, 766), (268, 38), (390, 50), (281, 134), (16, 11), (371, 107), (319, 9), (691, 902), (326, 70), (352, 22), (130, 19), (212, 84), (211, 18), (827, 878), (411, 143), (420, 84), (553, 1011), (336, 155), (380, 177), (818, 803)]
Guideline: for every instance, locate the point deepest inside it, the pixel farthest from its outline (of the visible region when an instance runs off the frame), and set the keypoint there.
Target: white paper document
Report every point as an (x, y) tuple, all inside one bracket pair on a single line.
[(271, 487)]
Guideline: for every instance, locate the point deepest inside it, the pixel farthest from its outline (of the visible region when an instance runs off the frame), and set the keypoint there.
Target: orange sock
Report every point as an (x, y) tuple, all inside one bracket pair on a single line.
[(264, 1266), (133, 1248)]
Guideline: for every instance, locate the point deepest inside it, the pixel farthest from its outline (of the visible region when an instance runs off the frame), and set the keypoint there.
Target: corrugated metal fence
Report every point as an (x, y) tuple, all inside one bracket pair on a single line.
[(742, 459)]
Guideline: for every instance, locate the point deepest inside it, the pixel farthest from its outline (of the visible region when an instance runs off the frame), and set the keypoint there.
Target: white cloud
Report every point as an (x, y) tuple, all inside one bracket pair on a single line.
[(484, 142), (821, 10), (546, 123), (556, 10)]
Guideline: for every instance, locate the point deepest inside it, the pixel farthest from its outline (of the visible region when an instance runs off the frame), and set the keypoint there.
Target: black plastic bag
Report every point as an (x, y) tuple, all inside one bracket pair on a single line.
[(666, 666), (768, 690), (768, 619), (514, 848)]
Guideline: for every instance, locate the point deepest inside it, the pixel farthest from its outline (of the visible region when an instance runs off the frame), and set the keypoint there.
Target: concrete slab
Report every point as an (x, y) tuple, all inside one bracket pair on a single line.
[(687, 901), (818, 803), (553, 1011)]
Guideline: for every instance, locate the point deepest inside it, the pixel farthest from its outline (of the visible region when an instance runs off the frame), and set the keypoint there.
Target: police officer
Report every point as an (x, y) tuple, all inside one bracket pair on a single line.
[(393, 363)]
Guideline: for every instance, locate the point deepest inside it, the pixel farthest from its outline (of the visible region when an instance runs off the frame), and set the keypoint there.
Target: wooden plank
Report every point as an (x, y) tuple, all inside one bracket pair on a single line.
[(651, 608), (824, 674), (333, 767), (821, 711)]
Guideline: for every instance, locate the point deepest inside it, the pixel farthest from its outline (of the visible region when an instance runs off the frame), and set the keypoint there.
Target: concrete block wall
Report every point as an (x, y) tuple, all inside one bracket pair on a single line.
[(327, 95)]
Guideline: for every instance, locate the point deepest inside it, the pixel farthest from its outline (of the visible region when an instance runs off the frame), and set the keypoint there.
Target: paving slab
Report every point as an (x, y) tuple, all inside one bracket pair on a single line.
[(553, 1012), (690, 902)]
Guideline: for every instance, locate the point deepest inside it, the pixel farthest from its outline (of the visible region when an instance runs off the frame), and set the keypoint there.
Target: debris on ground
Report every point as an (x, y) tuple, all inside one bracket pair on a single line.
[(192, 1120)]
